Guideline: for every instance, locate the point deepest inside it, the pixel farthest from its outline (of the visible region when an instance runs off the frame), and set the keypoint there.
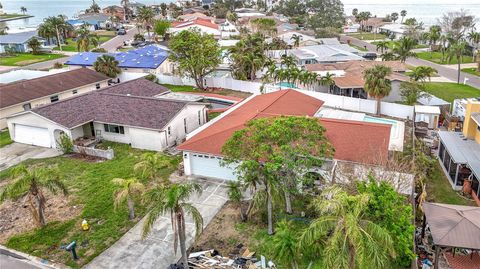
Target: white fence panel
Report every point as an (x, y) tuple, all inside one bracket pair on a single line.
[(397, 110)]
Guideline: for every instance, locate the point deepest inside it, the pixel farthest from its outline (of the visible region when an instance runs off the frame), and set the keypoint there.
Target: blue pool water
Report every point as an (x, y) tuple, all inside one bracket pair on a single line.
[(383, 121), (287, 85)]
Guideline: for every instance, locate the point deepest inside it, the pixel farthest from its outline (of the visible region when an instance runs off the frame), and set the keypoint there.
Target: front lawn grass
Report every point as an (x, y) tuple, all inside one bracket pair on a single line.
[(227, 92), (436, 57), (367, 36), (90, 185), (450, 91), (5, 138), (358, 47), (439, 189), (21, 59), (391, 45), (71, 45), (472, 71)]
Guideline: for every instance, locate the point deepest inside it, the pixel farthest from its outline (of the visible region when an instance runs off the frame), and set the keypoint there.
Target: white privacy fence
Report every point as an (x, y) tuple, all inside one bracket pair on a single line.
[(331, 100)]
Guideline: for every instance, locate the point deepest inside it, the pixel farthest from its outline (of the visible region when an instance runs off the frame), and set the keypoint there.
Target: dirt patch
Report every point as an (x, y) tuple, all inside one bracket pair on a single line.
[(228, 92), (86, 158), (221, 233), (16, 217)]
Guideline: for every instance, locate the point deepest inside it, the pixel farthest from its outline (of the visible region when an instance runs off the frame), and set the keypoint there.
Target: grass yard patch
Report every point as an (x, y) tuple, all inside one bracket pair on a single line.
[(5, 138), (90, 185), (71, 45), (358, 47), (450, 91), (436, 57), (473, 71), (227, 92), (367, 36), (21, 59)]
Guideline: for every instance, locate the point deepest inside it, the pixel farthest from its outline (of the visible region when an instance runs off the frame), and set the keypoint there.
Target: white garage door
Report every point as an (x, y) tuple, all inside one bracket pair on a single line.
[(209, 166), (32, 135)]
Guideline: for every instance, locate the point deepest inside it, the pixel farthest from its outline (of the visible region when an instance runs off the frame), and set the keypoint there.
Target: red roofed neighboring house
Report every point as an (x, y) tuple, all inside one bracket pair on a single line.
[(205, 25), (354, 141)]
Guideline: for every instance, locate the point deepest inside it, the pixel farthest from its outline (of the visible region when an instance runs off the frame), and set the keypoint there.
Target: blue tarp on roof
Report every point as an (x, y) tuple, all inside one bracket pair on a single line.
[(148, 57)]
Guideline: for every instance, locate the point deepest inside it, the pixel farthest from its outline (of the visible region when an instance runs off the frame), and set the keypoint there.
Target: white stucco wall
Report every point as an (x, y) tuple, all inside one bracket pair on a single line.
[(177, 130)]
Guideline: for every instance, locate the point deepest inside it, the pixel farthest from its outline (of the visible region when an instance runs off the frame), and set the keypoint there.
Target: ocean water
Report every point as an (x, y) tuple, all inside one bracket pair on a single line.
[(424, 10)]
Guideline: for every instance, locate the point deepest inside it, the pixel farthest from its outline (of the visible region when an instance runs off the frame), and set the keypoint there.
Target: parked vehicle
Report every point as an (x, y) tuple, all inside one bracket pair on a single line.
[(121, 32)]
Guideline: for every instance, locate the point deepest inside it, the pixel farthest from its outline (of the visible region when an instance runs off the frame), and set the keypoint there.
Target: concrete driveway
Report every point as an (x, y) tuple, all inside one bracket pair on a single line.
[(156, 251), (15, 153)]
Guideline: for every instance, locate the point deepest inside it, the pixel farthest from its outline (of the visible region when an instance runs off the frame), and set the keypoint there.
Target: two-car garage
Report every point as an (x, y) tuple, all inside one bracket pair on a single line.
[(31, 135), (203, 165)]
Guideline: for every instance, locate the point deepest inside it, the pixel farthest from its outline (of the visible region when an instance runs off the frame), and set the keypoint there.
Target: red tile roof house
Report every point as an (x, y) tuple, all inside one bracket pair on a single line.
[(204, 25), (132, 112), (27, 94), (354, 141)]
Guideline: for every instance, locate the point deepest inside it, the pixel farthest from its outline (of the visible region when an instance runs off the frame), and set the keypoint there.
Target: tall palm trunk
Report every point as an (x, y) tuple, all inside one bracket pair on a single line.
[(269, 210), (288, 201), (131, 208), (379, 105), (182, 238), (352, 258), (41, 209), (58, 38), (459, 60)]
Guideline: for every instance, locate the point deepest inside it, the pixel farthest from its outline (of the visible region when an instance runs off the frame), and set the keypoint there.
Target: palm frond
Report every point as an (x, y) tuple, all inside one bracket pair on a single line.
[(197, 217)]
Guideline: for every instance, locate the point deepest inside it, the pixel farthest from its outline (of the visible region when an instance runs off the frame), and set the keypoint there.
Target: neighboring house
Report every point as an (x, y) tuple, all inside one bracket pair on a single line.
[(98, 20), (77, 24), (129, 113), (459, 152), (25, 74), (202, 151), (114, 11), (305, 40), (228, 29), (204, 25), (460, 107), (348, 78), (17, 42), (28, 94), (320, 54), (194, 16), (148, 59), (396, 30)]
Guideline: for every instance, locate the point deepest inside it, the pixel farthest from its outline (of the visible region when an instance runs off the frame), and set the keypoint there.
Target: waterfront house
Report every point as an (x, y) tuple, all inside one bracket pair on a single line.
[(17, 42)]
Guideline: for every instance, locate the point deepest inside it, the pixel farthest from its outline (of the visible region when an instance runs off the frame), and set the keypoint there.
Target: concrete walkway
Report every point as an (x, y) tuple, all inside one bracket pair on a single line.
[(156, 251), (15, 153)]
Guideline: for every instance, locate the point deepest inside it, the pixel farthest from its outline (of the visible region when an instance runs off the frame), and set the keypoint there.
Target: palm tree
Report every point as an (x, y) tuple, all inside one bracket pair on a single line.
[(173, 199), (232, 17), (296, 40), (404, 48), (235, 195), (420, 73), (94, 8), (59, 25), (23, 10), (151, 165), (34, 45), (145, 16), (32, 183), (350, 240), (457, 49), (411, 92), (403, 13), (46, 30), (433, 35), (127, 191), (126, 9), (355, 12), (394, 16), (388, 56), (85, 38), (382, 46), (474, 37), (285, 245), (107, 65), (377, 84)]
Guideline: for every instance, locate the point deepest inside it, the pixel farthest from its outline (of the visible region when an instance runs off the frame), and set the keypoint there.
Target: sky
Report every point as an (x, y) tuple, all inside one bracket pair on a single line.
[(401, 2)]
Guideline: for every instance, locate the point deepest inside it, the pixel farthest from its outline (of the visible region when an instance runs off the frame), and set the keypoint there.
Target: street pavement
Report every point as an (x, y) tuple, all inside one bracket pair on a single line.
[(11, 259), (15, 153), (443, 71), (156, 251), (112, 44)]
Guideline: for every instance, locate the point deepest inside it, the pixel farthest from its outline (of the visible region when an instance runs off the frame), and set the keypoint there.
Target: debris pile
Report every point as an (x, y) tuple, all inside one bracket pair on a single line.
[(211, 259)]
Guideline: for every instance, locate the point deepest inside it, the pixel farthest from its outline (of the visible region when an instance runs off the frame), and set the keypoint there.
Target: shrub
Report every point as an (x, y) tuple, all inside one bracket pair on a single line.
[(102, 50), (152, 78), (57, 65), (65, 144)]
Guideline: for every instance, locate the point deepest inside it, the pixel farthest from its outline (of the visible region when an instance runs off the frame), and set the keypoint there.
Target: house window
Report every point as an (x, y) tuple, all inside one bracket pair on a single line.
[(54, 98), (27, 106), (97, 86), (111, 128), (74, 92), (169, 131), (199, 118), (185, 124)]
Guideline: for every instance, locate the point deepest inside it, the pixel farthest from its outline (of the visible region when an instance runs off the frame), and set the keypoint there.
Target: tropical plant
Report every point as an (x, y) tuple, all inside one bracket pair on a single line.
[(355, 12), (411, 92), (403, 13), (23, 10), (328, 14), (394, 17), (474, 38), (404, 48), (32, 183), (94, 8), (161, 28), (348, 238), (457, 50), (248, 56), (382, 46), (388, 56), (268, 147), (126, 192), (421, 73), (232, 17), (377, 84), (151, 164), (85, 38), (34, 45), (55, 26), (285, 245), (264, 26), (174, 199), (65, 143), (145, 15), (235, 195), (433, 36), (196, 54), (296, 40), (164, 8), (107, 65)]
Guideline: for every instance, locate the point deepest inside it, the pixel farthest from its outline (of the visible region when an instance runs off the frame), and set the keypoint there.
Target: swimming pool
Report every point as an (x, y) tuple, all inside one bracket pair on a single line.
[(287, 85), (394, 132)]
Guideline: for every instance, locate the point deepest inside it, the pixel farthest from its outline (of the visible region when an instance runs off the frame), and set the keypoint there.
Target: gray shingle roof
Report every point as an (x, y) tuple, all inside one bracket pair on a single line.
[(17, 38), (137, 87)]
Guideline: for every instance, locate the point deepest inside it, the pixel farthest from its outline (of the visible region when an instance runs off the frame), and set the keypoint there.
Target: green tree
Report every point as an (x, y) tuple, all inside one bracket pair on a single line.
[(151, 165), (355, 12), (474, 38), (161, 28), (285, 245), (196, 54), (164, 8), (421, 73), (34, 45), (394, 17), (232, 17), (59, 26), (348, 238), (85, 38), (327, 14), (174, 199), (391, 211), (292, 8), (145, 16), (248, 56), (264, 26), (403, 48), (235, 195), (411, 92), (377, 84), (403, 13), (388, 56), (94, 8), (296, 40), (23, 10), (107, 65), (127, 190), (457, 50), (382, 46), (32, 184), (269, 146), (433, 36)]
